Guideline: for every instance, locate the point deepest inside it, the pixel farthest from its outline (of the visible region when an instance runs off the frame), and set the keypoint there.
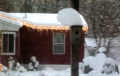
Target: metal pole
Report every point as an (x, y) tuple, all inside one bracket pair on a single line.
[(74, 48)]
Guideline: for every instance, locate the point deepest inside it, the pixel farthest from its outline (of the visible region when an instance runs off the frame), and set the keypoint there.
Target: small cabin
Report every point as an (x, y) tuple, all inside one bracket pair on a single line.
[(23, 35)]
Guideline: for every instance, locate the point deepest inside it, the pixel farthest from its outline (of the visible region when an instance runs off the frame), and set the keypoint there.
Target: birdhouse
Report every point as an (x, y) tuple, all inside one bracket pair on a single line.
[(76, 34)]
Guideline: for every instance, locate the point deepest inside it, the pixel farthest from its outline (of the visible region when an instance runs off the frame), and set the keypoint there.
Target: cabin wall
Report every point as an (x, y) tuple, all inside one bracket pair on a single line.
[(4, 58), (40, 44)]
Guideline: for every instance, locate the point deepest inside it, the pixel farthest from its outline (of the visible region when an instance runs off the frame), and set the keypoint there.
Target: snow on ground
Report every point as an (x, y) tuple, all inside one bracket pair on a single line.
[(91, 41), (98, 61), (119, 68), (51, 72), (54, 73), (114, 50), (102, 49)]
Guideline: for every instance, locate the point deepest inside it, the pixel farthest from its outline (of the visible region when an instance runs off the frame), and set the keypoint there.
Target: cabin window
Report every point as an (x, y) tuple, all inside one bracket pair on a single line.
[(58, 43), (8, 43)]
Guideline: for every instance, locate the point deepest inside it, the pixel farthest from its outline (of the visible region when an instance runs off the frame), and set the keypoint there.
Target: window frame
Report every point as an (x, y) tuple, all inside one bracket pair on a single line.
[(59, 43), (14, 33)]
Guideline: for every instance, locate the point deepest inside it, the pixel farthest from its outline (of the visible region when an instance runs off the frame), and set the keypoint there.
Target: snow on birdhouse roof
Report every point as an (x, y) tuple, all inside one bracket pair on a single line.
[(70, 16)]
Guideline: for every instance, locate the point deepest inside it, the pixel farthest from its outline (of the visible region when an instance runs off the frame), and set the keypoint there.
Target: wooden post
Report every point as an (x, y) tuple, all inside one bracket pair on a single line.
[(75, 40), (74, 60)]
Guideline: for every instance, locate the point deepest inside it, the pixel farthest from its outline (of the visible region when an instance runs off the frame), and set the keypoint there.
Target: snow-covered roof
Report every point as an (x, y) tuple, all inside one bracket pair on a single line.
[(38, 18), (8, 24), (41, 19)]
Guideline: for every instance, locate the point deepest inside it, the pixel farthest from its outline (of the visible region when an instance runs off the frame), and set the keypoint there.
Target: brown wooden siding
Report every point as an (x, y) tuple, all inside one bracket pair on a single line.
[(40, 43)]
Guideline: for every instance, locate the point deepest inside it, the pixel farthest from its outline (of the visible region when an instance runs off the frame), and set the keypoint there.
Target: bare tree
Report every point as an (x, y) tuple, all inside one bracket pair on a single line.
[(5, 6), (102, 15), (35, 6)]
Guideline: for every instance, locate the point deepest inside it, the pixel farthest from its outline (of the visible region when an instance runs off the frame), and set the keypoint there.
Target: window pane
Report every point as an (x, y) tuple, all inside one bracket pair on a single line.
[(59, 48), (5, 42), (11, 43), (58, 38)]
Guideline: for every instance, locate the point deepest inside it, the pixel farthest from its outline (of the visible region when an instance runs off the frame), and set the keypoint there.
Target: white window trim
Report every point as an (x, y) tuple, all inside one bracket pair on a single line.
[(59, 43), (2, 43)]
